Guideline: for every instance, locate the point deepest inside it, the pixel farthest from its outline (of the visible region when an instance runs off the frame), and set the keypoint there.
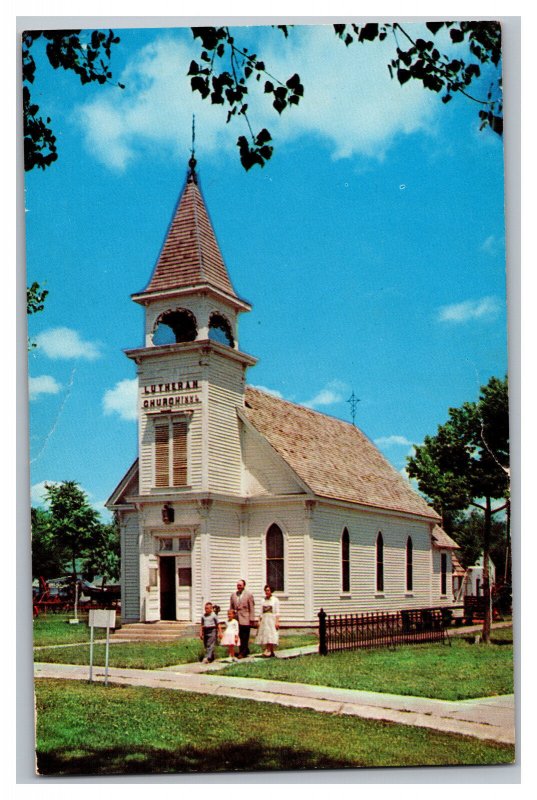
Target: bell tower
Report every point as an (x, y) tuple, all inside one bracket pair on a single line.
[(191, 373)]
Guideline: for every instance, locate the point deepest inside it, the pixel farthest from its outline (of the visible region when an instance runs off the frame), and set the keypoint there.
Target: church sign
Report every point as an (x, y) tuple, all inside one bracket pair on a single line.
[(164, 395)]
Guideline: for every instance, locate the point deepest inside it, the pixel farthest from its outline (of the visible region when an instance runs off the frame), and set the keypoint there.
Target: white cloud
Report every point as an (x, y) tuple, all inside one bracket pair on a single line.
[(333, 392), (155, 108), (100, 508), (66, 343), (273, 392), (122, 399), (39, 498), (349, 100), (43, 384), (491, 245), (38, 492), (349, 97), (389, 441), (486, 308)]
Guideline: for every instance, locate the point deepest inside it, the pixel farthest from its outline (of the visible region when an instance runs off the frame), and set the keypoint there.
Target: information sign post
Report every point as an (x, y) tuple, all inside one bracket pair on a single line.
[(101, 618)]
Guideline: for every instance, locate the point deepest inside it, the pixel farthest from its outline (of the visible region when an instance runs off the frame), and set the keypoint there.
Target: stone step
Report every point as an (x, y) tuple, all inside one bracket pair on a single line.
[(142, 637), (165, 631), (177, 629)]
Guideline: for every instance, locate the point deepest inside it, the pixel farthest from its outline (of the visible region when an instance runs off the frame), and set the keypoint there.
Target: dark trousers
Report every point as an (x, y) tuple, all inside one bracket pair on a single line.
[(209, 640), (244, 638)]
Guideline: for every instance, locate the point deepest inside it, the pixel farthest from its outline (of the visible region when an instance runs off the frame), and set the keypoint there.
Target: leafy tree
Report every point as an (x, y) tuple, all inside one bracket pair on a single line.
[(74, 524), (466, 464), (35, 301), (35, 298), (103, 558), (226, 69), (48, 557), (87, 54), (468, 533)]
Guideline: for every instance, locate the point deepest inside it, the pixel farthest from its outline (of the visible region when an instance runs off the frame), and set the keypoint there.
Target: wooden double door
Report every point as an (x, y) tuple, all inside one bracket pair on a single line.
[(175, 580)]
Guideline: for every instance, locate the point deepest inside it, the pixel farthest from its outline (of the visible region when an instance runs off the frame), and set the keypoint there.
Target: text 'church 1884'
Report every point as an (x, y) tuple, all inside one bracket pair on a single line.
[(231, 482)]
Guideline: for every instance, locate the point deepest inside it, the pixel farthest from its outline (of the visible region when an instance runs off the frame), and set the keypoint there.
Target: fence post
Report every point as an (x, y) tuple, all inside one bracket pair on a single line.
[(323, 648)]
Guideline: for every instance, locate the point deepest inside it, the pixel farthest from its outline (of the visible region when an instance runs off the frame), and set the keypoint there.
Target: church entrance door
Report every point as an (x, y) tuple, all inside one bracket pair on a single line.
[(167, 587), (184, 578)]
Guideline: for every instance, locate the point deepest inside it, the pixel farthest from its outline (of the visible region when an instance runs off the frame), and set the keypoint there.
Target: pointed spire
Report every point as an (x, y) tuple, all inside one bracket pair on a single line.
[(190, 256)]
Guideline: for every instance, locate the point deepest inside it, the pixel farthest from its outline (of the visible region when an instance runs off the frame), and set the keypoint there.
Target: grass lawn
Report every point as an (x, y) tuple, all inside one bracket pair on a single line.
[(85, 729), (459, 672), (55, 629), (148, 655)]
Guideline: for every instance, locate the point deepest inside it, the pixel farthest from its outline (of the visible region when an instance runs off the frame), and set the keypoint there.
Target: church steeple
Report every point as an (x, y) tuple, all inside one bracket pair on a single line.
[(191, 371), (190, 258)]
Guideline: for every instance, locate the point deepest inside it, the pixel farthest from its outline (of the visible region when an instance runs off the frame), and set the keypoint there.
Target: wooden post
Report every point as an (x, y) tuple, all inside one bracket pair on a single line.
[(323, 647), (91, 655)]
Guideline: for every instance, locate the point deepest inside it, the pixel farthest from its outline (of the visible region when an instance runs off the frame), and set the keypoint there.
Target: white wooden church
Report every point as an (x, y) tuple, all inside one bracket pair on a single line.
[(232, 482)]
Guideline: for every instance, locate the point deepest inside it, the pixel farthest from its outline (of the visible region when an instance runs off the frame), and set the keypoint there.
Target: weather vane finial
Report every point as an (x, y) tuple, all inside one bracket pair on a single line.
[(192, 161), (353, 400)]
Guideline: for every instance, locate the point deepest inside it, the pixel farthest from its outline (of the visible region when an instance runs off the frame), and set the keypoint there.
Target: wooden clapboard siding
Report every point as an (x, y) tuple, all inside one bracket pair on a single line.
[(197, 566), (168, 370), (224, 530), (194, 444), (264, 472), (292, 523), (225, 394), (327, 528), (438, 599), (130, 566)]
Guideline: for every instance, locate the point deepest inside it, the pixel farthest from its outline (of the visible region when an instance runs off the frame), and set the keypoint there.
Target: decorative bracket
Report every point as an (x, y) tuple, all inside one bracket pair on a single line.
[(309, 506), (204, 507)]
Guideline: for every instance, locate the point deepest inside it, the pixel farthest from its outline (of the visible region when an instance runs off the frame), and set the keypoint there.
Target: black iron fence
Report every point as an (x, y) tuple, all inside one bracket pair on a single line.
[(382, 628)]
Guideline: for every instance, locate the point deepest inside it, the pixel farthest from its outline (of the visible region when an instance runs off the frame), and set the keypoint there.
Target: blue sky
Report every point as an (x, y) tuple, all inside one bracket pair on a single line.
[(371, 246)]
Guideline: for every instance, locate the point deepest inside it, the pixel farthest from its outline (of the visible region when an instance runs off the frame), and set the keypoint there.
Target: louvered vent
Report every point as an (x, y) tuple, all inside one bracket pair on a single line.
[(162, 456), (179, 453)]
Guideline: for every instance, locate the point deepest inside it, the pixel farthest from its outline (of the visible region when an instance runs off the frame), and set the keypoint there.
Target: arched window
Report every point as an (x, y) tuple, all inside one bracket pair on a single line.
[(380, 563), (275, 561), (409, 564), (220, 330), (175, 326), (345, 562)]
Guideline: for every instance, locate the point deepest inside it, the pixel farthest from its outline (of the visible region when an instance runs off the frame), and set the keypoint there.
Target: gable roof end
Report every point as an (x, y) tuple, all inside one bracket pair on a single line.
[(127, 486)]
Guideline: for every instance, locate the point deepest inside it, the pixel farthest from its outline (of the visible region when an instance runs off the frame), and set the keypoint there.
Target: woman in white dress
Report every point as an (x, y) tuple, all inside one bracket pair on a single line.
[(269, 623)]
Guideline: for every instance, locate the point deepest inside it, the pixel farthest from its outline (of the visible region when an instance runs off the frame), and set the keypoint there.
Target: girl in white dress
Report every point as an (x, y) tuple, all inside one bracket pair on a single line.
[(269, 623), (230, 637)]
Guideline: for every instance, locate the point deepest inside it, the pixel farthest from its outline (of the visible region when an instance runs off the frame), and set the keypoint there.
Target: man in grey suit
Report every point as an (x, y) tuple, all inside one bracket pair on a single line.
[(242, 603)]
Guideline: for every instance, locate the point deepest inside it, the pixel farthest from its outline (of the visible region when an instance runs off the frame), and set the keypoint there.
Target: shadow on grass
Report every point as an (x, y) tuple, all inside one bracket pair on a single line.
[(249, 756), (493, 641)]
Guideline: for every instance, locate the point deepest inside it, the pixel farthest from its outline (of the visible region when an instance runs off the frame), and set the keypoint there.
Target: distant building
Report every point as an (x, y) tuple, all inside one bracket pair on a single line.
[(470, 581), (232, 482)]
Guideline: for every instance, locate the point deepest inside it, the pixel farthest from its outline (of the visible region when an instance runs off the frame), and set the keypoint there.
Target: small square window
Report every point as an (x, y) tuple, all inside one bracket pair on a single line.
[(165, 545), (184, 544)]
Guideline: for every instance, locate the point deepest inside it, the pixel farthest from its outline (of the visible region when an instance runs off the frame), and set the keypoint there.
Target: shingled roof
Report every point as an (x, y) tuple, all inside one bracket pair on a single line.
[(190, 256), (442, 539), (334, 458)]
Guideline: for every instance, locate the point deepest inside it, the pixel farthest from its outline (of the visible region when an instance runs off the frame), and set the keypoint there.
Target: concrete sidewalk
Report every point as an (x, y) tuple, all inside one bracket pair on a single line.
[(490, 719)]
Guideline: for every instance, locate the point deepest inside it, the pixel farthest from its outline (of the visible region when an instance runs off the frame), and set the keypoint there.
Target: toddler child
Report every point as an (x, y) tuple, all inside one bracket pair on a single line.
[(230, 637)]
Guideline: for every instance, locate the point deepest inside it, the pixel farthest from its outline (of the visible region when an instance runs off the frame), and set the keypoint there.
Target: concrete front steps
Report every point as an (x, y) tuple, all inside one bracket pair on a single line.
[(163, 631)]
